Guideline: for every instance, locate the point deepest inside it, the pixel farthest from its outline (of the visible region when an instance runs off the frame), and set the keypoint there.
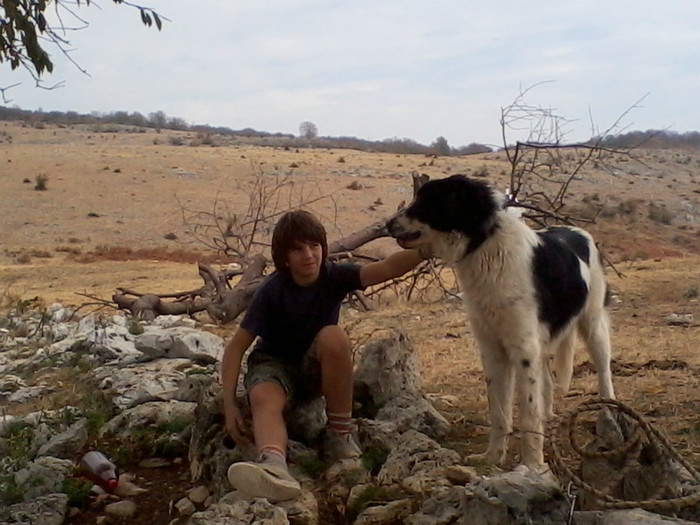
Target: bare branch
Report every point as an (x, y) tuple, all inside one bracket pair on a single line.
[(544, 167), (26, 34)]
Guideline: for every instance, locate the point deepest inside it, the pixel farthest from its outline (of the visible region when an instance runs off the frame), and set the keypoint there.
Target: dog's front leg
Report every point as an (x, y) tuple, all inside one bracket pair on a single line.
[(499, 389), (530, 379)]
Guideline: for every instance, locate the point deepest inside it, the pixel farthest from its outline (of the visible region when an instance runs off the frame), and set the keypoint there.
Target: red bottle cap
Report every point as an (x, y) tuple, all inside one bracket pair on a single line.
[(111, 484)]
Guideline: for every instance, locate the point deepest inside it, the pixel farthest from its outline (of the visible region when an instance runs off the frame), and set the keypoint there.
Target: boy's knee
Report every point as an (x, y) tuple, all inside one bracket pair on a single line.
[(332, 340), (267, 395)]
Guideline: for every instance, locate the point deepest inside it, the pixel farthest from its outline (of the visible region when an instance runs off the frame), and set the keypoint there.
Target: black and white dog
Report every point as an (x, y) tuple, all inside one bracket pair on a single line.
[(526, 293)]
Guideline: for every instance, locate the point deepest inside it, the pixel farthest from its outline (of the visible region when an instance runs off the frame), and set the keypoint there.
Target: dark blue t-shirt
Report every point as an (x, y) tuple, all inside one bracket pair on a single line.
[(287, 317)]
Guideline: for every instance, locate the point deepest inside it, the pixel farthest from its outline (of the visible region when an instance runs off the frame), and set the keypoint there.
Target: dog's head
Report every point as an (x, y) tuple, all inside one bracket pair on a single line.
[(446, 212)]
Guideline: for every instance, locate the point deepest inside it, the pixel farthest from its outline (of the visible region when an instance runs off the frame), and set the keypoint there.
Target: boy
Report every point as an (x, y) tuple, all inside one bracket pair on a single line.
[(301, 352)]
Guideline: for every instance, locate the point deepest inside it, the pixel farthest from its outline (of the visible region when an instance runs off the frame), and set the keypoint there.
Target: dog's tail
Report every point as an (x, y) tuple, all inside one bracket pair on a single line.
[(563, 365)]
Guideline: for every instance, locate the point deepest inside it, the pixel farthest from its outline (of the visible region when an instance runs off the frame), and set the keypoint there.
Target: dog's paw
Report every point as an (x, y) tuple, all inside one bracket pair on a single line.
[(482, 464), (487, 458)]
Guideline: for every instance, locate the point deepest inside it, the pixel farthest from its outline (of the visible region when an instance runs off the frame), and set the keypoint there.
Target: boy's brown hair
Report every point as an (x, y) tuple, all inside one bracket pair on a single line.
[(294, 227)]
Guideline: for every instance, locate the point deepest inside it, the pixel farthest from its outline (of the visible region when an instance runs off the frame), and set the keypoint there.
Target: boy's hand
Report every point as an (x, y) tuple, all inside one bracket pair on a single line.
[(236, 426)]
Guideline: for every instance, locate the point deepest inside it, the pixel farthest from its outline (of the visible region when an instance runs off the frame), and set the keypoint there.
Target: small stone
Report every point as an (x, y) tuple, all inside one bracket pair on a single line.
[(121, 509), (185, 507), (460, 474), (679, 319), (154, 463), (198, 494), (126, 488)]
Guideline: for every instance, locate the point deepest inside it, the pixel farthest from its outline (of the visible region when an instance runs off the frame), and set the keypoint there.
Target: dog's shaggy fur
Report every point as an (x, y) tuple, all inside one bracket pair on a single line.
[(526, 293)]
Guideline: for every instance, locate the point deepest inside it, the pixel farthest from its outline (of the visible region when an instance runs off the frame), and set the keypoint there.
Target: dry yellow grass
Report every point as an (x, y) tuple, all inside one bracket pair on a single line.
[(137, 184)]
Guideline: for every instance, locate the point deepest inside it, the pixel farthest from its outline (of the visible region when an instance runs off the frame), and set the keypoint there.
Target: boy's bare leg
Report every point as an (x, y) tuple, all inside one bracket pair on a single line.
[(334, 352), (268, 477), (267, 402)]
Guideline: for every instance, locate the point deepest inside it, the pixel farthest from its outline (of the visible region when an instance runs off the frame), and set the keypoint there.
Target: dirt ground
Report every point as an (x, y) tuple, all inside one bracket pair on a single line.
[(108, 192)]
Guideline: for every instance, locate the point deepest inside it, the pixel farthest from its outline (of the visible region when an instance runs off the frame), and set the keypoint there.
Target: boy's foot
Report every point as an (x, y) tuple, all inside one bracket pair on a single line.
[(265, 479), (339, 446)]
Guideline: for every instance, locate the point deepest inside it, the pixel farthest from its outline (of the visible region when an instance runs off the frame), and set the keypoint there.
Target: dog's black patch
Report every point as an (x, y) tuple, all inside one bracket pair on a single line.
[(459, 204), (561, 290), (573, 239)]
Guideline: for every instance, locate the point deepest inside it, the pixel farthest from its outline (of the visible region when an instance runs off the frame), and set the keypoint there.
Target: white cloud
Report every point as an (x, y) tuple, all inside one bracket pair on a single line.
[(379, 69)]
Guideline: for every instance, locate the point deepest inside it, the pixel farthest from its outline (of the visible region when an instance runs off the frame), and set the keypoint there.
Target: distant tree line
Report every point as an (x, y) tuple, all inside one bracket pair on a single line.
[(158, 120), (654, 139)]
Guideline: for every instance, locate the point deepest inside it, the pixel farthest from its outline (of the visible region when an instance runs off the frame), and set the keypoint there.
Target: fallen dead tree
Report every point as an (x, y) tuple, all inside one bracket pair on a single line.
[(540, 179), (221, 300)]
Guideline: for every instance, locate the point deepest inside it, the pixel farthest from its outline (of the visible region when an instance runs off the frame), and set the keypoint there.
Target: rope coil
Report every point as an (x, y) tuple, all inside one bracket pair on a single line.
[(632, 446)]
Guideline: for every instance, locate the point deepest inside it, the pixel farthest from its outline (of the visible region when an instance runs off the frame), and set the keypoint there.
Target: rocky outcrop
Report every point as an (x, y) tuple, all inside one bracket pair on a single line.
[(165, 372)]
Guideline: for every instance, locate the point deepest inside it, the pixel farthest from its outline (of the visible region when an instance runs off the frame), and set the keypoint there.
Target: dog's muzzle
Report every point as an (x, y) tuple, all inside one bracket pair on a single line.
[(398, 232)]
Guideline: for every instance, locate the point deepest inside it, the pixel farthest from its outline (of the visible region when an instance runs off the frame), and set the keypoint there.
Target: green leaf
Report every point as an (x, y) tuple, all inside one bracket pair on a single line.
[(159, 24), (145, 18)]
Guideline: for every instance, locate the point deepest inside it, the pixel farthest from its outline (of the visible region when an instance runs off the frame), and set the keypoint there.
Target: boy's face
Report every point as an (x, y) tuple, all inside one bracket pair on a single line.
[(304, 260)]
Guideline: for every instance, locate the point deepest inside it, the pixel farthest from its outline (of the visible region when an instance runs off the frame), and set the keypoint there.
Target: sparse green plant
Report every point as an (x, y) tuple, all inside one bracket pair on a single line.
[(77, 490), (312, 465), (135, 327), (170, 447), (173, 426), (17, 442), (374, 458), (10, 491), (352, 477), (195, 370), (692, 292), (97, 407), (67, 416), (41, 182), (123, 453), (371, 494)]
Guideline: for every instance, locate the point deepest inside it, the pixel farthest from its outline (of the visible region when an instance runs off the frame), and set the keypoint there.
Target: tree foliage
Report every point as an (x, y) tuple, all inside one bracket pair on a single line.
[(308, 130), (441, 147), (26, 31)]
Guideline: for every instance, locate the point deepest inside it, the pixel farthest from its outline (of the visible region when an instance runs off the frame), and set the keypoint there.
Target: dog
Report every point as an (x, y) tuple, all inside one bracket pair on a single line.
[(526, 293)]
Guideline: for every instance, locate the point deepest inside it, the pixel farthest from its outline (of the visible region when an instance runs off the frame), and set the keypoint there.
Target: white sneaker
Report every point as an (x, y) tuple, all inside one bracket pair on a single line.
[(338, 446), (264, 480)]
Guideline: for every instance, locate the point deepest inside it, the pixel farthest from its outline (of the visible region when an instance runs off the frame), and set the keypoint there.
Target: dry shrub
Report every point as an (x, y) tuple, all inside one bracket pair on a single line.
[(660, 213), (41, 182), (70, 250), (159, 253)]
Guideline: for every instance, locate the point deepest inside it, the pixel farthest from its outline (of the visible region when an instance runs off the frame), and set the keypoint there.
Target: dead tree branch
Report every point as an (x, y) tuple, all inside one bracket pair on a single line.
[(543, 167)]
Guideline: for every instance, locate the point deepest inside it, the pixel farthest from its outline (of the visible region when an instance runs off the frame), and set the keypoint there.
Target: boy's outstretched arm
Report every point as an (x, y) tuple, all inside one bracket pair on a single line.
[(393, 266)]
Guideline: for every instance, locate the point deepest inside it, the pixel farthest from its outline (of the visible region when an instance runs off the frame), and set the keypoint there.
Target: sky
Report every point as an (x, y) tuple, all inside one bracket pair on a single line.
[(385, 69)]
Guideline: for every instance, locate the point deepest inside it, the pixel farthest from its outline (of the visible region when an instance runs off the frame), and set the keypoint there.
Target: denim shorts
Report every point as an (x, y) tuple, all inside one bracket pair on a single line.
[(300, 381)]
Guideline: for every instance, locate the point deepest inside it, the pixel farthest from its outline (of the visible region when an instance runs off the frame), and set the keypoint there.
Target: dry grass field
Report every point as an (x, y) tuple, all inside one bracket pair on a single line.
[(112, 198)]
